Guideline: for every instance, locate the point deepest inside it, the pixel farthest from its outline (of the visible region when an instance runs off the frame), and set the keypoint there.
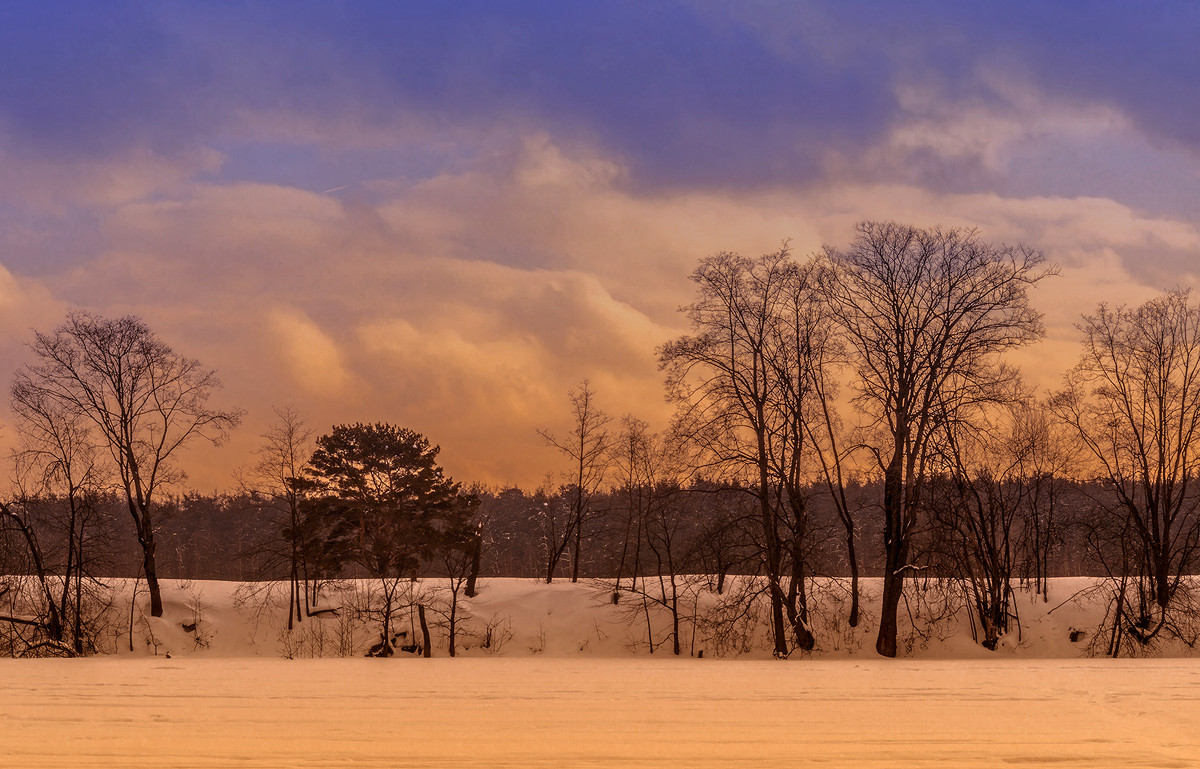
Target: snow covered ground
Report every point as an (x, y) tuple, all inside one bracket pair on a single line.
[(573, 684), (527, 617), (536, 711)]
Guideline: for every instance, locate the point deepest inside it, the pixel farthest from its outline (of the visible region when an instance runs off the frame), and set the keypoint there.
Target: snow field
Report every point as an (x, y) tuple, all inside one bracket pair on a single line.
[(573, 685), (537, 711)]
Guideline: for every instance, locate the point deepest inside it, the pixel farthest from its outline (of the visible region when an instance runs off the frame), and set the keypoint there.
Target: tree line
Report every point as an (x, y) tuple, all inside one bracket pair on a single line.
[(846, 414)]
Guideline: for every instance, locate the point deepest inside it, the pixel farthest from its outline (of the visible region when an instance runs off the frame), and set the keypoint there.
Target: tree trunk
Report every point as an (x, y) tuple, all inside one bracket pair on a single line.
[(156, 604), (893, 587), (853, 581), (79, 605), (578, 547), (778, 625), (476, 557), (893, 591), (775, 590), (145, 535), (797, 608), (675, 614), (293, 597), (427, 647), (895, 548)]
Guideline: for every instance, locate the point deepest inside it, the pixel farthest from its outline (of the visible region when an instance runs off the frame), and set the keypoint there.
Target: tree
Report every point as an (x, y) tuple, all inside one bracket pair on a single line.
[(649, 476), (927, 312), (25, 557), (976, 502), (57, 463), (384, 485), (1045, 456), (587, 448), (277, 478), (457, 552), (1134, 402), (145, 401), (745, 389)]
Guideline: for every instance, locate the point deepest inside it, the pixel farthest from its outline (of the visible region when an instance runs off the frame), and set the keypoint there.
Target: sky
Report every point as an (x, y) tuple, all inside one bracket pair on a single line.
[(446, 215)]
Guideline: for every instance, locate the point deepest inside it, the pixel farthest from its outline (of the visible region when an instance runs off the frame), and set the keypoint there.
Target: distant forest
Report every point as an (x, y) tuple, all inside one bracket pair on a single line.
[(844, 415), (237, 537)]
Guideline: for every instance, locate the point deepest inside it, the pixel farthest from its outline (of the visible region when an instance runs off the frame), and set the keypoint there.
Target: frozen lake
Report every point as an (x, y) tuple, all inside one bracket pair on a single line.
[(545, 712)]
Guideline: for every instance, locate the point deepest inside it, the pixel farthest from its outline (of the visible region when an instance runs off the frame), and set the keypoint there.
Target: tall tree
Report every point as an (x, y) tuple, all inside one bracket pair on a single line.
[(145, 400), (1134, 401), (927, 312), (587, 449), (277, 479), (1046, 455), (976, 501), (58, 463), (746, 393), (398, 506)]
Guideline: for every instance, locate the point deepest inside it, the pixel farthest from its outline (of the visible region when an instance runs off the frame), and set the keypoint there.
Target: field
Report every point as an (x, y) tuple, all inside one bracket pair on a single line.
[(573, 684), (557, 712)]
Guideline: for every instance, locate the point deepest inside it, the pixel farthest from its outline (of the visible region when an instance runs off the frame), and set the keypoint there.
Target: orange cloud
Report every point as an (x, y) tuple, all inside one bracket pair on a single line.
[(467, 305)]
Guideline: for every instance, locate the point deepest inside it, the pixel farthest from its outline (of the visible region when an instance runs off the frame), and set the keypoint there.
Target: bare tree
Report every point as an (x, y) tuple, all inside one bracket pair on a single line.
[(1045, 455), (456, 555), (976, 501), (660, 526), (746, 396), (36, 593), (145, 401), (587, 448), (277, 479), (629, 451), (1134, 401), (927, 312), (825, 434), (57, 462)]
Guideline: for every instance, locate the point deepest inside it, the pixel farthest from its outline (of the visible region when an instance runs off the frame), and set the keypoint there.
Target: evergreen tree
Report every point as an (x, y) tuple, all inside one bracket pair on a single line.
[(383, 501)]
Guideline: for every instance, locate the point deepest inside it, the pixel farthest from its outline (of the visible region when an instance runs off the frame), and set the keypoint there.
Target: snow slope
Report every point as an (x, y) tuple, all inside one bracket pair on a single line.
[(526, 617)]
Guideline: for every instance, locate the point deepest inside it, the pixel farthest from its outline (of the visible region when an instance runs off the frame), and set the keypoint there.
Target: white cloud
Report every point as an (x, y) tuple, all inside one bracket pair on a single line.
[(987, 130)]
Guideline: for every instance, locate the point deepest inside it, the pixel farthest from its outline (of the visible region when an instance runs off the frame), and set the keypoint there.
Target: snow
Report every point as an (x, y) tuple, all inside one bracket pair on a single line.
[(564, 620), (568, 690), (547, 712)]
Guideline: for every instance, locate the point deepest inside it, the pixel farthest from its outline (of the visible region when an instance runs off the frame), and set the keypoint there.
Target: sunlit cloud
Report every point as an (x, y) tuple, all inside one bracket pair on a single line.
[(310, 355), (447, 217)]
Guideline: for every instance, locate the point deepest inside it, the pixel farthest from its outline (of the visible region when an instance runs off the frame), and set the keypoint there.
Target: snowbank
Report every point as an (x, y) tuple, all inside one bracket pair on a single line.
[(520, 617)]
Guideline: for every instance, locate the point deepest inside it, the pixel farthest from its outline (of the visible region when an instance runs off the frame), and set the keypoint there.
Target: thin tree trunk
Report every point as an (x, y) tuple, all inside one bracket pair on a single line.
[(427, 647), (578, 547), (854, 610), (895, 551), (476, 557)]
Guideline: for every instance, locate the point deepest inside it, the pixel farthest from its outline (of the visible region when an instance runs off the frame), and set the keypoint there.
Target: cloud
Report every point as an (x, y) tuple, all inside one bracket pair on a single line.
[(25, 304), (676, 96), (702, 93), (449, 215), (311, 356), (465, 305)]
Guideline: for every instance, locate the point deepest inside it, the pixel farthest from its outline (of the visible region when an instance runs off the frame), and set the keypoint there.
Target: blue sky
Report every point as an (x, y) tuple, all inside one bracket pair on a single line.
[(444, 215)]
